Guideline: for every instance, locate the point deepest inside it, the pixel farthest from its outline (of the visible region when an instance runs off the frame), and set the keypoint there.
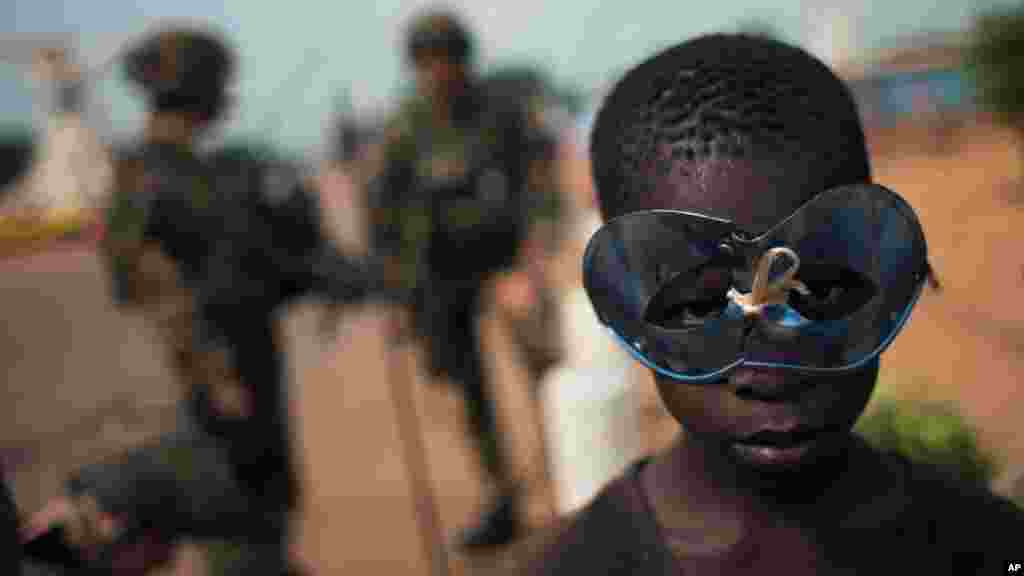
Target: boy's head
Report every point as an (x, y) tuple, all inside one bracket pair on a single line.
[(746, 129)]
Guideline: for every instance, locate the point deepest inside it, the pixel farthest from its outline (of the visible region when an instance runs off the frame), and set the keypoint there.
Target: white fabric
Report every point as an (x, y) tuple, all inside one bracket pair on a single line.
[(73, 170), (590, 405)]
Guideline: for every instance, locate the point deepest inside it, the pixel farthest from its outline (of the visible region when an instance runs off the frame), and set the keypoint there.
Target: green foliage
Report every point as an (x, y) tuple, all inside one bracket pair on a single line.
[(247, 149), (928, 432), (572, 97), (529, 79), (758, 28), (995, 61)]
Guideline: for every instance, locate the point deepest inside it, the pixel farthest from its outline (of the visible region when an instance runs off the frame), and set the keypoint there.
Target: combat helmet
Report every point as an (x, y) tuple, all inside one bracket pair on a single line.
[(439, 31), (185, 67)]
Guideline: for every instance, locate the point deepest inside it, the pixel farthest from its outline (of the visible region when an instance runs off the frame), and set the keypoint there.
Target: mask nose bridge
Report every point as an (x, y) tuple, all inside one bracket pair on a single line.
[(756, 324), (764, 290)]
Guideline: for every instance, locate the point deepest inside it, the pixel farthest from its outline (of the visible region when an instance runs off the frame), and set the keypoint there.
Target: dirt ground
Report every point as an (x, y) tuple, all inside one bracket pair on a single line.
[(965, 344), (84, 381)]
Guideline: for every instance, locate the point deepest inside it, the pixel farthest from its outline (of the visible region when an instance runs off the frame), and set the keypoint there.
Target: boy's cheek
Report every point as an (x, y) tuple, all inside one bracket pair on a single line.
[(714, 410), (703, 410), (844, 396)]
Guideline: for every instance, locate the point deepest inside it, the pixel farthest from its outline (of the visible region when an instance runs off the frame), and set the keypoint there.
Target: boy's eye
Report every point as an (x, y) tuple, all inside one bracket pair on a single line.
[(691, 298), (836, 292)]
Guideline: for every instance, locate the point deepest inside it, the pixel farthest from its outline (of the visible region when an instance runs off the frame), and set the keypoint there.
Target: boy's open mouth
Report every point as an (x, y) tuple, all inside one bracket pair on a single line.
[(777, 439), (774, 448)]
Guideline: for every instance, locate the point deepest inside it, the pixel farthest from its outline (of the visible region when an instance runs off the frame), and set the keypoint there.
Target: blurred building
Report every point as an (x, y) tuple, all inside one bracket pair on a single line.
[(922, 77), (916, 92)]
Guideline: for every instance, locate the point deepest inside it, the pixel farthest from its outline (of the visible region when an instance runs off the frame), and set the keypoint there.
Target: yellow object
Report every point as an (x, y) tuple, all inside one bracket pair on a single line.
[(20, 233)]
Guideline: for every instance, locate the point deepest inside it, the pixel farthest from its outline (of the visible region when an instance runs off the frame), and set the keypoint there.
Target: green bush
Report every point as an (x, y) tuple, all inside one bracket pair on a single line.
[(995, 59), (929, 432)]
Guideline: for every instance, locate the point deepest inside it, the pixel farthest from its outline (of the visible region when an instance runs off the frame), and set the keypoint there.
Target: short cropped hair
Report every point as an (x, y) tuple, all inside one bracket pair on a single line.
[(725, 96)]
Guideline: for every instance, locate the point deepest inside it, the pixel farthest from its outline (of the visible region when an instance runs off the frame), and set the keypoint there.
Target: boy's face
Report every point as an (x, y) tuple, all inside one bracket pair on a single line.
[(764, 419)]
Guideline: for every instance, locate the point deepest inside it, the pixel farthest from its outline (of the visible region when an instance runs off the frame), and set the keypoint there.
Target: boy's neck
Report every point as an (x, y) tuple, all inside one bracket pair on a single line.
[(695, 490)]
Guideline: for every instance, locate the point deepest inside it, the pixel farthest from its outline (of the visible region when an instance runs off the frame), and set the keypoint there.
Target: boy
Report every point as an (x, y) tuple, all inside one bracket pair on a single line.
[(758, 149)]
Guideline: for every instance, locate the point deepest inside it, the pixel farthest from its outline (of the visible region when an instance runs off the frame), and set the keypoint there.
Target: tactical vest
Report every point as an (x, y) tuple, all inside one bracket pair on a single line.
[(468, 184), (161, 198)]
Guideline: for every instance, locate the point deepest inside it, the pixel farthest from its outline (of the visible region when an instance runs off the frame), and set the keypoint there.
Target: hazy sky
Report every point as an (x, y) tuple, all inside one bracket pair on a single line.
[(298, 54)]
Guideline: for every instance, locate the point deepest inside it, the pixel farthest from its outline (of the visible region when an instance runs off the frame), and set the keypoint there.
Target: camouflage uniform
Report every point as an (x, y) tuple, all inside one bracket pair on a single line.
[(209, 250), (452, 205)]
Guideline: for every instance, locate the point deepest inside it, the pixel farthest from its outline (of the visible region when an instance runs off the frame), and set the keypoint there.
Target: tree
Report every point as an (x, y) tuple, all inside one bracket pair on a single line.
[(759, 28), (930, 433), (573, 98), (526, 80), (995, 62), (251, 149)]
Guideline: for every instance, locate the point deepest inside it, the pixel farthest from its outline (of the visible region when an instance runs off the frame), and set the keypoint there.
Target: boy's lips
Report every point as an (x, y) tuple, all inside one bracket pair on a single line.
[(782, 446), (781, 436)]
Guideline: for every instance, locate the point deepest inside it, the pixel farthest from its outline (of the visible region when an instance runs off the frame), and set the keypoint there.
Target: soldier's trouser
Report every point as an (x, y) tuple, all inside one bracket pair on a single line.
[(182, 486), (482, 421), (456, 353)]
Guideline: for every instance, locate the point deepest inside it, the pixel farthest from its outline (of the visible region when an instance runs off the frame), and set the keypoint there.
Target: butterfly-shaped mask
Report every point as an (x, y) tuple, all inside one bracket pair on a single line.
[(694, 297)]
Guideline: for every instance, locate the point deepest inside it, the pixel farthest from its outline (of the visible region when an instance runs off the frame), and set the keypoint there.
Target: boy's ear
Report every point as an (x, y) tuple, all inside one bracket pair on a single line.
[(933, 278)]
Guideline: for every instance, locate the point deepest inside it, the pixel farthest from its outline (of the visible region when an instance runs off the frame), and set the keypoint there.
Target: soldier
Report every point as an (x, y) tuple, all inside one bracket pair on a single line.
[(208, 249), (449, 211)]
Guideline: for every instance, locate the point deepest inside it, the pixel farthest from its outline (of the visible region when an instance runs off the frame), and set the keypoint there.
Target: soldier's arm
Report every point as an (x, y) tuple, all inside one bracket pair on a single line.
[(122, 247), (390, 179), (135, 487), (546, 204), (177, 484), (309, 258)]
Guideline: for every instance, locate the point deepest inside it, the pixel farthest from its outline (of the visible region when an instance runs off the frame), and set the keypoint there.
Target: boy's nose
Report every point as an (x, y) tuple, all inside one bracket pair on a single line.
[(767, 385)]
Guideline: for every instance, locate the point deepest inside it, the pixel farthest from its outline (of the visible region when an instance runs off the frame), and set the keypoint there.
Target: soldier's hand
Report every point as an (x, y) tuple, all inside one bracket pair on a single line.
[(391, 282), (56, 512), (85, 523), (391, 272), (399, 325), (229, 395), (515, 292), (155, 278), (329, 321)]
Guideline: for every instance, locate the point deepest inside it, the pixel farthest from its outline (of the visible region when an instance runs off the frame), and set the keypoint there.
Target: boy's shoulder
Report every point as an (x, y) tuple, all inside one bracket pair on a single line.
[(892, 504), (968, 510), (919, 506), (614, 534)]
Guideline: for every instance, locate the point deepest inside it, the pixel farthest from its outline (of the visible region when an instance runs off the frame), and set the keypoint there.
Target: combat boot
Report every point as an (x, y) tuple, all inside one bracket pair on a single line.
[(498, 527)]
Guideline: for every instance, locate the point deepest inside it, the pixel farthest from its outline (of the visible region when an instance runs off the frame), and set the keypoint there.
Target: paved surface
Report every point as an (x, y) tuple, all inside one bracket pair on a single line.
[(83, 380)]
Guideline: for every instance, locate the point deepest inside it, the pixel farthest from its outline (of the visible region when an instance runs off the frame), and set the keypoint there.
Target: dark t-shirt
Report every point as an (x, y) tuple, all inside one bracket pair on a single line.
[(10, 544), (885, 516)]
